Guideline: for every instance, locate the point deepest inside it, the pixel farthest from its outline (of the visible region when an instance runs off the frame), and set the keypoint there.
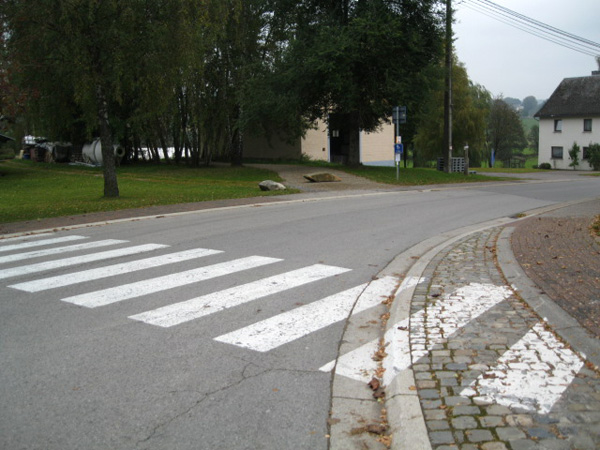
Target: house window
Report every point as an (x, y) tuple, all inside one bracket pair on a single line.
[(558, 125), (557, 153), (585, 153), (587, 124)]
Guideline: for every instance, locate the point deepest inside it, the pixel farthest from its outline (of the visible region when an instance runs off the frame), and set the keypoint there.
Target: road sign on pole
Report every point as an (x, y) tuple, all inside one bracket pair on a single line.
[(399, 114)]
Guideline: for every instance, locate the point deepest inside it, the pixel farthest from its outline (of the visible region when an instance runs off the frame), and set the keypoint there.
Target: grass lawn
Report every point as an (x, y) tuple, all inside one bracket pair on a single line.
[(415, 176), (30, 191)]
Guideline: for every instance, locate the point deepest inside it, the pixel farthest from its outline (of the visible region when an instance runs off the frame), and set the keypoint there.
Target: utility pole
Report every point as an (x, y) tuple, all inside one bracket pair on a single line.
[(447, 153)]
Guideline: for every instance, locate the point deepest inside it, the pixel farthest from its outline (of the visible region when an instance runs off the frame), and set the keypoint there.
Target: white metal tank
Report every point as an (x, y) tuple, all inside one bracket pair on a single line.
[(92, 152)]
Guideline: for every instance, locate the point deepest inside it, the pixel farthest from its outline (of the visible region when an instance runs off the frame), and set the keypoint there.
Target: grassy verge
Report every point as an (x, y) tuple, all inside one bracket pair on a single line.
[(30, 191), (415, 177)]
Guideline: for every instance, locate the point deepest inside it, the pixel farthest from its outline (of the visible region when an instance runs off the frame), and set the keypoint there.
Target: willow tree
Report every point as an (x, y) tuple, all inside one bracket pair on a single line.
[(75, 56), (470, 109)]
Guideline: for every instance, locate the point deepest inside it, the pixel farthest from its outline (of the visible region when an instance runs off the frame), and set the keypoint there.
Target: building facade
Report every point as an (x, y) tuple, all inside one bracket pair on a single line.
[(571, 115), (324, 144)]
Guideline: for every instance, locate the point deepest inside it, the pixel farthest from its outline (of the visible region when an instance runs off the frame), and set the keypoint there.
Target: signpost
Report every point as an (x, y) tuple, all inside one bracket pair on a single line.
[(398, 117)]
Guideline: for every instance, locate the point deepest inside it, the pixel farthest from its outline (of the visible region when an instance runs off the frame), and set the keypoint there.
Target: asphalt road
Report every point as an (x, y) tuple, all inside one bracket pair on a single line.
[(95, 364)]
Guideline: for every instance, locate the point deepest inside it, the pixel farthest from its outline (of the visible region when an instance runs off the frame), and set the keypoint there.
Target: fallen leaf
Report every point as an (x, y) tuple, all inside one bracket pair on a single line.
[(377, 429), (333, 421), (374, 384), (379, 394)]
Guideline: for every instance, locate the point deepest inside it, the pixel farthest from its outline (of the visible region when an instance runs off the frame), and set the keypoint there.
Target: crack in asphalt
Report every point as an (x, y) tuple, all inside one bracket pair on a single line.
[(204, 396)]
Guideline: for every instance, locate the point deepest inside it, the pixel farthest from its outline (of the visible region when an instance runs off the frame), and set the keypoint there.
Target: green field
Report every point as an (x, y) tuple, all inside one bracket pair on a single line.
[(30, 191)]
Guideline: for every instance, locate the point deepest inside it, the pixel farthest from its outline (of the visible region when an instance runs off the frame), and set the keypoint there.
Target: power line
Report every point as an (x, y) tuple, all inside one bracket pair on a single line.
[(539, 24), (533, 27)]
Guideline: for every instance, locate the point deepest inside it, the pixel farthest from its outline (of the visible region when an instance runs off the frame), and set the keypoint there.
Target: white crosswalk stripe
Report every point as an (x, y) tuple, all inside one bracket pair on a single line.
[(24, 245), (24, 238), (178, 313), (531, 375), (158, 284), (105, 272), (48, 283), (287, 327), (58, 250)]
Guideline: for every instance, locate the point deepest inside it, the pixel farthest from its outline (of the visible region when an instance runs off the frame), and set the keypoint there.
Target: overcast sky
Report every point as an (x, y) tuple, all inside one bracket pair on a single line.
[(516, 64)]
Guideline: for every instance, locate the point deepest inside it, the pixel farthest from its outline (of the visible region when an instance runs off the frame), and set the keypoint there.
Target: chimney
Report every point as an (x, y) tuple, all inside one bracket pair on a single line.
[(597, 72)]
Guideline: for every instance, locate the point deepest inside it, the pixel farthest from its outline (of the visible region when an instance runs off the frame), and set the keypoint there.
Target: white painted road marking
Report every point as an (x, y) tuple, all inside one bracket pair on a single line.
[(115, 269), (24, 245), (32, 286), (532, 374), (287, 327), (178, 313), (23, 238), (141, 288), (58, 250), (449, 314), (359, 365)]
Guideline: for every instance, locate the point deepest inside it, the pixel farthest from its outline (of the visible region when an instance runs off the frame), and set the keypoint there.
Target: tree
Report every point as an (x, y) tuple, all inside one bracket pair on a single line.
[(574, 155), (530, 106), (515, 103), (505, 132), (470, 106), (75, 56), (351, 61), (534, 138)]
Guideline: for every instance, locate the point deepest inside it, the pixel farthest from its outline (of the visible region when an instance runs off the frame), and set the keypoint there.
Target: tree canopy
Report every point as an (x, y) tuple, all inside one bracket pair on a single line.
[(505, 130), (470, 110)]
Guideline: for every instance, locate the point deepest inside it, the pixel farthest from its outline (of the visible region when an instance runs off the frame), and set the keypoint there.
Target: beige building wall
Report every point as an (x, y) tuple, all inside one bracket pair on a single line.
[(315, 143), (378, 147)]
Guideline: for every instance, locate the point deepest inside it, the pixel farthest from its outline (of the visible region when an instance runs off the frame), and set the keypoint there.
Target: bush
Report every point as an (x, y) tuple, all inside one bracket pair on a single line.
[(594, 156), (545, 166)]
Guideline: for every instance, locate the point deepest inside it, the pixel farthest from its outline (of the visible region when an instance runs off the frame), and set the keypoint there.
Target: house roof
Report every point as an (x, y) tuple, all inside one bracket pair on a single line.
[(574, 97)]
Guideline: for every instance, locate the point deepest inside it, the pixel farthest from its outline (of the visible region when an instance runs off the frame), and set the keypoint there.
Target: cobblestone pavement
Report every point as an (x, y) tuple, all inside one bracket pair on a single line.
[(490, 375)]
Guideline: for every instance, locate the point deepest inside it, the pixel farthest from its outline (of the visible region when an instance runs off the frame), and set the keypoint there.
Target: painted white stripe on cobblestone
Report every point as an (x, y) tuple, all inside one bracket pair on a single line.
[(289, 326), (113, 270), (178, 313), (531, 375), (59, 250), (151, 286), (24, 245), (430, 326), (450, 313)]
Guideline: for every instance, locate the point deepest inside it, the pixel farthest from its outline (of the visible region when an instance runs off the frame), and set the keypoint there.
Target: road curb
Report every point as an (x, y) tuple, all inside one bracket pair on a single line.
[(405, 416), (559, 320)]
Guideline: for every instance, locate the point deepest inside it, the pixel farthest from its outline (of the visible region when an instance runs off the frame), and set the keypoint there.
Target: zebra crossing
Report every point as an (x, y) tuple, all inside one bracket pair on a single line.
[(262, 336), (448, 316)]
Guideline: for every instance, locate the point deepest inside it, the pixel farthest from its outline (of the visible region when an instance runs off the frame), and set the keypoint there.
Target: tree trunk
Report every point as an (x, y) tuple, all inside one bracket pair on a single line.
[(354, 138), (111, 187), (237, 148)]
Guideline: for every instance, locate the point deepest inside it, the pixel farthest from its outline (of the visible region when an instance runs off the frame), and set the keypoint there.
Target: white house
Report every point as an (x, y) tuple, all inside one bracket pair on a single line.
[(571, 115)]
